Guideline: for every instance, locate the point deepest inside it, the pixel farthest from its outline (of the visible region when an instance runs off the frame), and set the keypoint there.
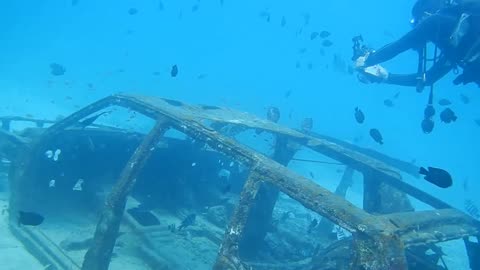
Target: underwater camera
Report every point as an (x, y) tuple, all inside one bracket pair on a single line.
[(359, 49)]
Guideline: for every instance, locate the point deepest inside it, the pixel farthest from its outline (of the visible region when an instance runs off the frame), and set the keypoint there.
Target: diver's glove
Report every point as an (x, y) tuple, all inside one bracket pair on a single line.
[(373, 74)]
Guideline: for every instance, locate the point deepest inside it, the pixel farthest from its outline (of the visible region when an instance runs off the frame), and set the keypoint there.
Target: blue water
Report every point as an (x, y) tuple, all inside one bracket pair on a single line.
[(243, 62)]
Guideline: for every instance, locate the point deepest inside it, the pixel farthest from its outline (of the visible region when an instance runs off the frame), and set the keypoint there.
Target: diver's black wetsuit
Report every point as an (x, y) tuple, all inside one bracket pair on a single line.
[(437, 29)]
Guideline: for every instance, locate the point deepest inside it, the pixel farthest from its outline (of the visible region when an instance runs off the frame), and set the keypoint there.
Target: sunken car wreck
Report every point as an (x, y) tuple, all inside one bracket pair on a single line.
[(160, 194)]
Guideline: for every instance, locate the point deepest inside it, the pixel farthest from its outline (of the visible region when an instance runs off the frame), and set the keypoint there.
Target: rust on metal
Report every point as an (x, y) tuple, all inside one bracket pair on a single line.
[(381, 231), (99, 255)]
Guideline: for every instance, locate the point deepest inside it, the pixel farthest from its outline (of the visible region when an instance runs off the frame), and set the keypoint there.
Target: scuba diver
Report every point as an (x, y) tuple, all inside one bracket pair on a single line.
[(452, 26)]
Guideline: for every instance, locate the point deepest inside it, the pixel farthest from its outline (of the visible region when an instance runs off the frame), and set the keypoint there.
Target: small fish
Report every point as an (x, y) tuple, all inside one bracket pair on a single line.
[(314, 35), (160, 5), (174, 71), (188, 221), (29, 218), (57, 69), (396, 95), (283, 22), (311, 175), (324, 34), (376, 135), (359, 116), (388, 102), (427, 125), (156, 73), (444, 102), (327, 43), (87, 122), (273, 114), (464, 99), (312, 225), (447, 116), (74, 2), (132, 11), (438, 177), (195, 8), (288, 94)]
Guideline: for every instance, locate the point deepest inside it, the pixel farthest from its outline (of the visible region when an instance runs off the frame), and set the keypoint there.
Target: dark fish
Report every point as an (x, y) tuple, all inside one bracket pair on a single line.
[(427, 125), (188, 221), (314, 35), (312, 175), (359, 116), (324, 34), (438, 177), (283, 22), (29, 218), (464, 99), (444, 102), (448, 116), (132, 11), (273, 114), (388, 102), (174, 71), (87, 122), (327, 43), (307, 125), (57, 69), (312, 225), (376, 135)]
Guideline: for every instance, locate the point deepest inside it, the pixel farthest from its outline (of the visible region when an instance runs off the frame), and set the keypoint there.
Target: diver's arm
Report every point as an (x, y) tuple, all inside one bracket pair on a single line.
[(436, 72), (416, 38)]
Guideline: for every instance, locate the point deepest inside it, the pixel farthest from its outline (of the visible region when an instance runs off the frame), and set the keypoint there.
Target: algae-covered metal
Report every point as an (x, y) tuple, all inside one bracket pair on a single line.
[(382, 231)]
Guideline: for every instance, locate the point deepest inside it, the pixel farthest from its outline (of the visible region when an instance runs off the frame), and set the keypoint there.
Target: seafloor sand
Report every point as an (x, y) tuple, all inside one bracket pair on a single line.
[(13, 255)]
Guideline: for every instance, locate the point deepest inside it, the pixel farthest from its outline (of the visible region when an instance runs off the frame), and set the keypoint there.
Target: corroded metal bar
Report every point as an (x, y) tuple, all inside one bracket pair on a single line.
[(326, 226), (379, 198), (260, 219), (380, 252), (433, 226), (357, 161), (321, 200), (398, 164), (365, 164), (98, 256), (228, 256)]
